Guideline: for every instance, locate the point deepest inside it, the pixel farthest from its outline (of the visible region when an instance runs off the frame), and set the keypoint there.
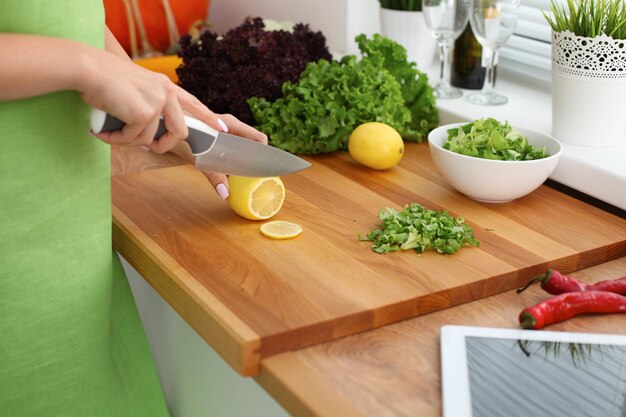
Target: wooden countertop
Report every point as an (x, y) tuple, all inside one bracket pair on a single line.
[(390, 371), (395, 370)]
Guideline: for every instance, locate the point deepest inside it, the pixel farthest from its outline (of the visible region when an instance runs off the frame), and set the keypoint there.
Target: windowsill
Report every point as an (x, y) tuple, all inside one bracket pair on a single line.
[(598, 172)]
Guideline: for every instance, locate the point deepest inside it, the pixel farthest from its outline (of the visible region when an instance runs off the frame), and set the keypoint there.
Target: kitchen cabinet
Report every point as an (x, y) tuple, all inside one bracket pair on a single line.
[(196, 381)]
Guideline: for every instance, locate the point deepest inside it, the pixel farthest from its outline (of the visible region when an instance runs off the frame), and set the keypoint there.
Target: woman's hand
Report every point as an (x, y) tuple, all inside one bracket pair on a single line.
[(224, 123), (139, 97), (136, 96)]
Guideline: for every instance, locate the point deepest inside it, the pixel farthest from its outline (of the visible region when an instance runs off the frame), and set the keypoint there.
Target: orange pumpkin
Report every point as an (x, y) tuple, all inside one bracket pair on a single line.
[(153, 18)]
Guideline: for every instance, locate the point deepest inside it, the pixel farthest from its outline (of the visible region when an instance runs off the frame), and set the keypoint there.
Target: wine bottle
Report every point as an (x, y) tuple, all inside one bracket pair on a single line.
[(467, 69)]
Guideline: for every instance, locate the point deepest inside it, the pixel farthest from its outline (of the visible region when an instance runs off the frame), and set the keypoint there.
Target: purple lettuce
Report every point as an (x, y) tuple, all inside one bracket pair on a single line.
[(223, 72)]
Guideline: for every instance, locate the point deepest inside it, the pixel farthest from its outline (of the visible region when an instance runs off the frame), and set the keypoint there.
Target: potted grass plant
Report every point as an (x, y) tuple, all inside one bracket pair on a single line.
[(403, 21), (588, 71)]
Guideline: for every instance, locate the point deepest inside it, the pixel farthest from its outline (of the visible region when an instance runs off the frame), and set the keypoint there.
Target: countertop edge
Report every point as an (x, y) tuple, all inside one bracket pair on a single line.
[(234, 340)]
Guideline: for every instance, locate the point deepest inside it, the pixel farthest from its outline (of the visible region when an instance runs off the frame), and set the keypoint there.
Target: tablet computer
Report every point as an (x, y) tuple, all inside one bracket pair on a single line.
[(489, 372)]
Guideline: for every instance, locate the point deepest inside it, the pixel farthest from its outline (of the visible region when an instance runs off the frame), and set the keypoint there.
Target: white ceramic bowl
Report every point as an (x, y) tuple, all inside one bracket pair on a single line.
[(494, 181)]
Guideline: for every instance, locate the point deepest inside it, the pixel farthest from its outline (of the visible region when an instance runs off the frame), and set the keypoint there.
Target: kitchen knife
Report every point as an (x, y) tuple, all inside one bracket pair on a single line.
[(219, 151)]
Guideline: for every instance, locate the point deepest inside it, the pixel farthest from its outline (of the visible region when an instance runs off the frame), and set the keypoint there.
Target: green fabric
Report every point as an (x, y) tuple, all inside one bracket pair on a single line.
[(71, 342)]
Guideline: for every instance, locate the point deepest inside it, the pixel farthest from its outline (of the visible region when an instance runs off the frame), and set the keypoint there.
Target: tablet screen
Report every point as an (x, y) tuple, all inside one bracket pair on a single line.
[(541, 378), (560, 374)]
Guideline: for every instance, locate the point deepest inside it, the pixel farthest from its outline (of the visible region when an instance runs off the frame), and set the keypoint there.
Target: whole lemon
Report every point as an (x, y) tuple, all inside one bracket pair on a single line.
[(376, 145), (255, 198)]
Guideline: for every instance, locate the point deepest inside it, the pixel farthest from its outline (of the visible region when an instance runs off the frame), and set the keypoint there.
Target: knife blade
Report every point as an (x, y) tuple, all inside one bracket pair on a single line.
[(219, 151)]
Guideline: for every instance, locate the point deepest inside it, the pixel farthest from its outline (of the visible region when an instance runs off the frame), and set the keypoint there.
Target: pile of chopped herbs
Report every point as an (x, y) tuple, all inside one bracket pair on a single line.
[(490, 139), (319, 111), (421, 229), (248, 61)]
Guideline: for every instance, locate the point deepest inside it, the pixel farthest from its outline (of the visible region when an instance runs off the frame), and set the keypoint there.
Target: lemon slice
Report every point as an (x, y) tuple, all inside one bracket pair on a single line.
[(256, 198), (280, 229)]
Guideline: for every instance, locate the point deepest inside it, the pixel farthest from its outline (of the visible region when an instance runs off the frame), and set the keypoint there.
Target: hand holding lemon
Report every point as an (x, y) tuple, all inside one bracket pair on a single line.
[(376, 145)]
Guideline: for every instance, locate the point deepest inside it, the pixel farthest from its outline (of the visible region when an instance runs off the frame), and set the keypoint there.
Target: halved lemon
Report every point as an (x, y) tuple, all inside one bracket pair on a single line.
[(255, 198), (280, 229)]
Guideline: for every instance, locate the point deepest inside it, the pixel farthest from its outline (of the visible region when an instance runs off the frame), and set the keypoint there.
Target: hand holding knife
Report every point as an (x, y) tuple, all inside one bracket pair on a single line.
[(219, 151)]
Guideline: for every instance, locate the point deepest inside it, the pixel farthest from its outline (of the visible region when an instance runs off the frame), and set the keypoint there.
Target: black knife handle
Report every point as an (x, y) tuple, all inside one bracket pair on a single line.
[(201, 136)]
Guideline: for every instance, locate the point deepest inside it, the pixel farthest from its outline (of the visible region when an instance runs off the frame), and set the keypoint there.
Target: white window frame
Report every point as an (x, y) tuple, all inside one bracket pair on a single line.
[(528, 51)]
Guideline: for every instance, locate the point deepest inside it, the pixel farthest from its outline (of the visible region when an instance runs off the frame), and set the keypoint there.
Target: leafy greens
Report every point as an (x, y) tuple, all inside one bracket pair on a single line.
[(418, 228), (248, 61), (417, 93), (319, 112), (490, 139)]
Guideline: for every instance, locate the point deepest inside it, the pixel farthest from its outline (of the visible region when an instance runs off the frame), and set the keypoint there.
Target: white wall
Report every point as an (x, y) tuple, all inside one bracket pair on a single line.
[(339, 20)]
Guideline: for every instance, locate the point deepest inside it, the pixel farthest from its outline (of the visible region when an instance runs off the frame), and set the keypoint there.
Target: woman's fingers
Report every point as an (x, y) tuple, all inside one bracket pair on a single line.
[(194, 107), (237, 127), (225, 122), (174, 121), (219, 182), (132, 129), (146, 136)]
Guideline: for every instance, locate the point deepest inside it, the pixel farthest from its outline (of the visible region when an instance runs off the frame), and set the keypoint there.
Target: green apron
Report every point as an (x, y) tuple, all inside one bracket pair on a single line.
[(71, 342)]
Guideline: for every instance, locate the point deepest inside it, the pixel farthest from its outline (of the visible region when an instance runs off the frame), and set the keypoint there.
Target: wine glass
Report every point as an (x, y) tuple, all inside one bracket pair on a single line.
[(493, 23), (446, 19)]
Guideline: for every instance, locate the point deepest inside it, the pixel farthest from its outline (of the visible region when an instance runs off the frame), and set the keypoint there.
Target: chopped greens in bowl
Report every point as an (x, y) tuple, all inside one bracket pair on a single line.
[(491, 162), (490, 139)]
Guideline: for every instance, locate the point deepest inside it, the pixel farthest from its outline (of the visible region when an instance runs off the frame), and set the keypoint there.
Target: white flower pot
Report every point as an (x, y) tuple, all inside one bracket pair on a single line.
[(409, 30), (588, 89)]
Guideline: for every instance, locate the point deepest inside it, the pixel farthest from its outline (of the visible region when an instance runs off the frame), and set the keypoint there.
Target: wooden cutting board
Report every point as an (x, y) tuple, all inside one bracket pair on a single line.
[(251, 297)]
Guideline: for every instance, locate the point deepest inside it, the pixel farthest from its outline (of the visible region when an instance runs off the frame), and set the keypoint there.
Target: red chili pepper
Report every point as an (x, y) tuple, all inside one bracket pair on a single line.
[(555, 283), (568, 305), (617, 285)]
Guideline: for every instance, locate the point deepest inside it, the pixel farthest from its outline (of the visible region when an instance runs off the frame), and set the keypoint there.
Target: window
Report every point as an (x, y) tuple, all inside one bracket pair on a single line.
[(528, 51)]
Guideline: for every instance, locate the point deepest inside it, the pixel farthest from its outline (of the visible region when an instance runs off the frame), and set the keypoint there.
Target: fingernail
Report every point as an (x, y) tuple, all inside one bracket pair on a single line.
[(222, 125), (222, 191), (145, 148)]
